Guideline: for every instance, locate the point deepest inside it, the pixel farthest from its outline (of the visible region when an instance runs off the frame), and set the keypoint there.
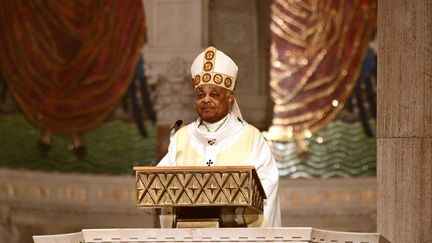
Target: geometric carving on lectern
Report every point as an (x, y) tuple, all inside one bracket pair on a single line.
[(212, 189), (229, 188), (257, 197), (141, 190), (240, 178), (183, 199), (184, 178), (203, 197), (201, 187), (245, 193), (243, 181), (221, 199), (193, 188), (201, 178), (165, 199), (156, 189), (219, 177), (175, 189), (165, 179)]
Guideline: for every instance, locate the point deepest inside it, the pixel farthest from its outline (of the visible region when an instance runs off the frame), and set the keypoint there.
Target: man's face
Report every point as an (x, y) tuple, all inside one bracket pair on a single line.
[(212, 102)]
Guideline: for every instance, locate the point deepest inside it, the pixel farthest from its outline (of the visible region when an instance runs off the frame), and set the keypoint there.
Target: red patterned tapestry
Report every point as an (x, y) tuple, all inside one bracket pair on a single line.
[(68, 63), (316, 55)]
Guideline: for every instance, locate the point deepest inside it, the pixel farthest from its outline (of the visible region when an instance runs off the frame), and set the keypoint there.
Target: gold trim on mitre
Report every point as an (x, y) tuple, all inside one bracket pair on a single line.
[(209, 76)]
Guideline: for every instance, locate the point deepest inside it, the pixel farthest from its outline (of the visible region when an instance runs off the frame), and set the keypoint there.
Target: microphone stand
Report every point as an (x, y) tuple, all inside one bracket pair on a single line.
[(177, 124)]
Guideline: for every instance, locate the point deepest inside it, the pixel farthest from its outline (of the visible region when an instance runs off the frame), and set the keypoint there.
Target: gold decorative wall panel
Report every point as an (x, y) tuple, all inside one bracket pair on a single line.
[(317, 52)]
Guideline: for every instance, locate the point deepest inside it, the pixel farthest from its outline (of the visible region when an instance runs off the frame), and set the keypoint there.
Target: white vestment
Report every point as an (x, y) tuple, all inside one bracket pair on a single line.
[(237, 143)]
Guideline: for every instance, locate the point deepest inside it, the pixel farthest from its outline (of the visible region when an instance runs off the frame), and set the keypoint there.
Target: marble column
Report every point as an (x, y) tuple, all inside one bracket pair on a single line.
[(404, 129)]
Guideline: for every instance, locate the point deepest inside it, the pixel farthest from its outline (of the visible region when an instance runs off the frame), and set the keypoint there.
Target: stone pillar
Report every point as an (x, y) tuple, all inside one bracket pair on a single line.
[(404, 129), (240, 29), (177, 32)]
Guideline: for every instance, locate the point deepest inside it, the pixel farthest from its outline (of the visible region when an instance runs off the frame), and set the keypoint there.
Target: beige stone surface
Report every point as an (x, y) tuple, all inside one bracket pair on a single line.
[(54, 203), (404, 127), (293, 235), (405, 189), (343, 204), (404, 68), (63, 238)]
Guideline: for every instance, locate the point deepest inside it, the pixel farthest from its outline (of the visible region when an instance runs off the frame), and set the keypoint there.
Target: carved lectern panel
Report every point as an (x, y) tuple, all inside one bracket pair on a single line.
[(232, 186)]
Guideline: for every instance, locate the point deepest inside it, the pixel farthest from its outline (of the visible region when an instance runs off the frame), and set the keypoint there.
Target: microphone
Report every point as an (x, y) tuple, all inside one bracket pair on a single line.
[(176, 125)]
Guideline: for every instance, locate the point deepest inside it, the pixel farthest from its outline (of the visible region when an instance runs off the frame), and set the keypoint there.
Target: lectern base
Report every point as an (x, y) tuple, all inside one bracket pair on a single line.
[(196, 223), (208, 217)]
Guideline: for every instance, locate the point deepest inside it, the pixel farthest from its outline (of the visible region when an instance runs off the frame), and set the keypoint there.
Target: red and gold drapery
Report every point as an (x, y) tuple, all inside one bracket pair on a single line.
[(316, 54), (69, 63)]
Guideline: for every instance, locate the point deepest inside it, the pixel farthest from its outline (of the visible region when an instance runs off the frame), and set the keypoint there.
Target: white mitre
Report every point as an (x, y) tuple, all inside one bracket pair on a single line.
[(214, 67)]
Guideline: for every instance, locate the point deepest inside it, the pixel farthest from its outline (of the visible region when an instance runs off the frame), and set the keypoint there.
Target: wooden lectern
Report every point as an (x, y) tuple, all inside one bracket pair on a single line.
[(202, 196)]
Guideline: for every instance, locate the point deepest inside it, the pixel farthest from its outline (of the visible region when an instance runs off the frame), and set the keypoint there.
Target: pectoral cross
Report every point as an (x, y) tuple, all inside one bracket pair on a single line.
[(210, 162)]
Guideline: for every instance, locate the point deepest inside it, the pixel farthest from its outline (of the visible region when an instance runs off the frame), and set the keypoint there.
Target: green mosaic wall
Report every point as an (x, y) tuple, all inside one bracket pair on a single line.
[(113, 148), (339, 150)]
